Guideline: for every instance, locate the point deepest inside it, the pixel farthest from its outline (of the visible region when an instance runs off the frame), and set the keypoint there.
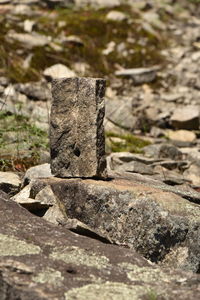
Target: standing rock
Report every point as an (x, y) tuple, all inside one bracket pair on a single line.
[(77, 139)]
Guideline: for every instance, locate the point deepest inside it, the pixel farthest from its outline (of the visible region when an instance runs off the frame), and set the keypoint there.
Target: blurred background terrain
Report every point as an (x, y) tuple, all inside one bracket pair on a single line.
[(149, 52)]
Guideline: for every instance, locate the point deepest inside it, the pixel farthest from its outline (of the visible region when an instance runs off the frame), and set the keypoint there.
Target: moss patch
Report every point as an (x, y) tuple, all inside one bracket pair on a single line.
[(20, 142), (140, 47), (128, 143)]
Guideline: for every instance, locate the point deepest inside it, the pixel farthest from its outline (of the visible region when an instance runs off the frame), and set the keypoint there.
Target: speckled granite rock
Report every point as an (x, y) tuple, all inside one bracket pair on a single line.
[(153, 221), (76, 129), (41, 261)]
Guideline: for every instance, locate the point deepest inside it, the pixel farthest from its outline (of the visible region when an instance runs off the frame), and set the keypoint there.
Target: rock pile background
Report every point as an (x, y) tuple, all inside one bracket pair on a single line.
[(149, 53)]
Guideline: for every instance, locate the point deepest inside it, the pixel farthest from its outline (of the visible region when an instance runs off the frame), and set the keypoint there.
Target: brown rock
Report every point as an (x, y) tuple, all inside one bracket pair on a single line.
[(186, 117), (41, 261), (152, 221), (76, 131), (9, 182), (182, 138)]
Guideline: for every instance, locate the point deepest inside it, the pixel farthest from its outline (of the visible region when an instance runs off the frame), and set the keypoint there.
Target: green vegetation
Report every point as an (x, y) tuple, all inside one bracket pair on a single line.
[(20, 142), (152, 295), (134, 45), (141, 48), (126, 143)]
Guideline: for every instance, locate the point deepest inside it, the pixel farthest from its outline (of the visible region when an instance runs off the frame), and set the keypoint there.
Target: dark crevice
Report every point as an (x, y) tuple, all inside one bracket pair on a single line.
[(90, 234), (77, 152), (40, 212)]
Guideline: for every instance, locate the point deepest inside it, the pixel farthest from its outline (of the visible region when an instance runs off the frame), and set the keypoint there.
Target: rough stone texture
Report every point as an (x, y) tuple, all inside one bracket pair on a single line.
[(77, 139), (128, 162), (186, 117), (119, 112), (34, 90), (163, 151), (192, 174), (39, 171), (41, 261), (9, 182), (42, 203), (152, 221)]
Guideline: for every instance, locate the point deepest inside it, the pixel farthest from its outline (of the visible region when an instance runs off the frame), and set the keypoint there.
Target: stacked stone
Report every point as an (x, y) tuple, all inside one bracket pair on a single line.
[(77, 141)]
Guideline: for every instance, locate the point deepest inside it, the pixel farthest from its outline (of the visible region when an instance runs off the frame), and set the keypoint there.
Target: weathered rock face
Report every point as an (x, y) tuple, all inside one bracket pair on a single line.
[(9, 182), (186, 118), (76, 131), (155, 222), (41, 261)]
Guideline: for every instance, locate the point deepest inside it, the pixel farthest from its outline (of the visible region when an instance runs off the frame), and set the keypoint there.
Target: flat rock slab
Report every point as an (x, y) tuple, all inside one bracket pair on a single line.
[(156, 223), (186, 117), (77, 139), (41, 261)]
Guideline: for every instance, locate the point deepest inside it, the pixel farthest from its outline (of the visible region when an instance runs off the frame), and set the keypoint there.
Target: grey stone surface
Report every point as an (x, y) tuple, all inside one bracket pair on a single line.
[(186, 117), (134, 214), (128, 162), (41, 203), (163, 151), (119, 112), (39, 171), (116, 16), (58, 71), (30, 40), (77, 139), (9, 182), (39, 261), (35, 90), (139, 75)]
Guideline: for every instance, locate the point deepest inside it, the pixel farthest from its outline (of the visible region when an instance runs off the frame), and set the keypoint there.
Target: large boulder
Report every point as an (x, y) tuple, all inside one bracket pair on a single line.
[(42, 261), (154, 221)]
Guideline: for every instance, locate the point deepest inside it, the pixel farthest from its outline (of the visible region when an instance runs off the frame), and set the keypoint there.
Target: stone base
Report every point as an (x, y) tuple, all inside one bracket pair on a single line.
[(153, 221)]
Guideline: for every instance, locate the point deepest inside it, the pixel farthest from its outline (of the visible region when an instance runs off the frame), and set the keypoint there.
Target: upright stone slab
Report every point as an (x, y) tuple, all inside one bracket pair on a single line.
[(77, 141)]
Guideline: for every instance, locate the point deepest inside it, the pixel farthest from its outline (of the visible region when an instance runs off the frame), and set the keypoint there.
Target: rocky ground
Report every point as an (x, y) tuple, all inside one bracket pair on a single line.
[(149, 53)]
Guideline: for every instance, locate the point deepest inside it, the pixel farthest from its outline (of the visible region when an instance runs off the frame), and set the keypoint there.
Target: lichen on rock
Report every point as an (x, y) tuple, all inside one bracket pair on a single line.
[(11, 246)]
